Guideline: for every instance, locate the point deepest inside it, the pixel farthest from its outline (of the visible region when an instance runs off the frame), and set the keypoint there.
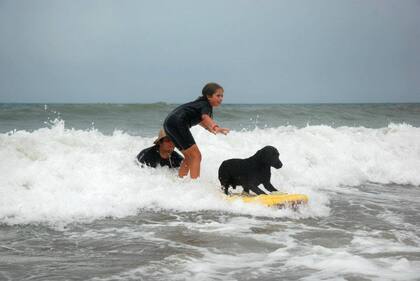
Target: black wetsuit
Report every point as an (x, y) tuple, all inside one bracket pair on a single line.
[(178, 123), (151, 157)]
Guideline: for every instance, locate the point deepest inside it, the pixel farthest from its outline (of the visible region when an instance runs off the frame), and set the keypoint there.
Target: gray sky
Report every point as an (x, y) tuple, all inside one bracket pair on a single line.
[(260, 51)]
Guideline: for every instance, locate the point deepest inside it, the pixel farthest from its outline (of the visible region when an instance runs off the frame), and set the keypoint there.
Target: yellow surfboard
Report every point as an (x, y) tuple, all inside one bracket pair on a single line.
[(278, 200)]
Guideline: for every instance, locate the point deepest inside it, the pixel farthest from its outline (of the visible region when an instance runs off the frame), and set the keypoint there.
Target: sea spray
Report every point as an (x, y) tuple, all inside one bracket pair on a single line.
[(56, 174)]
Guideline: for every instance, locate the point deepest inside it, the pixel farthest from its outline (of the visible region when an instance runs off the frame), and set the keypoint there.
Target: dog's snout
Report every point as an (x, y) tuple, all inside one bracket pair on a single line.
[(278, 164)]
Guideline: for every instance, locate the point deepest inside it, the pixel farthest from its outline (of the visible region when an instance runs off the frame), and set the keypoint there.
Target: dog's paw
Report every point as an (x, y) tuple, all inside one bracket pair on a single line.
[(225, 190)]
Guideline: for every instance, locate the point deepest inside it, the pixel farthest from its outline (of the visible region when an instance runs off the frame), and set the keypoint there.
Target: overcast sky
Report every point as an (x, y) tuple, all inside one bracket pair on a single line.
[(260, 51)]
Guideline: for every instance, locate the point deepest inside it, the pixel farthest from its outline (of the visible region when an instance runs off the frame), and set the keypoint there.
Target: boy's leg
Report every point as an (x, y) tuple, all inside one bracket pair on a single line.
[(184, 168), (192, 161)]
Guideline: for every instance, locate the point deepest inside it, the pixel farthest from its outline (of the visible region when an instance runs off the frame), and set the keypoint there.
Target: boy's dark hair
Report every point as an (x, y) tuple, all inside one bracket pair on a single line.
[(210, 88)]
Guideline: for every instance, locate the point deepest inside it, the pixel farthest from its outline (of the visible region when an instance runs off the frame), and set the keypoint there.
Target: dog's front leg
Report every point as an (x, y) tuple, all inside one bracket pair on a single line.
[(225, 189), (256, 190), (269, 187)]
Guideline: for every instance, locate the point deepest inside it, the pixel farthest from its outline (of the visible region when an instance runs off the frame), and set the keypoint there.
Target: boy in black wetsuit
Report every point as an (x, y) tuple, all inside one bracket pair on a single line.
[(178, 123), (162, 153)]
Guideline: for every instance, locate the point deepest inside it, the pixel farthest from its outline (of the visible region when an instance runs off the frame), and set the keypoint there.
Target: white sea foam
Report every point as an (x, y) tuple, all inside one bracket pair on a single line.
[(58, 174), (275, 255)]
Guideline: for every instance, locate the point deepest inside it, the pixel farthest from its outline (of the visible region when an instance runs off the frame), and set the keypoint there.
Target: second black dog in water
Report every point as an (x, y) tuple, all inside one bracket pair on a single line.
[(250, 172)]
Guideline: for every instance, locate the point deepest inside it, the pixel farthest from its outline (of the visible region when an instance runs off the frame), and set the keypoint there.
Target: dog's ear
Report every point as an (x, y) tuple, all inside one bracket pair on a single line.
[(263, 155), (269, 155)]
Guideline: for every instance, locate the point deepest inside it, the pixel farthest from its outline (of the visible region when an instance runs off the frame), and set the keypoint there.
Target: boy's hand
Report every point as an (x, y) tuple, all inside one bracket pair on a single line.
[(224, 131)]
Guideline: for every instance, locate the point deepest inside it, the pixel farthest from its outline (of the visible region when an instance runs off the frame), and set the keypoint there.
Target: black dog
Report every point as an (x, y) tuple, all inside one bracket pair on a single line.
[(250, 172)]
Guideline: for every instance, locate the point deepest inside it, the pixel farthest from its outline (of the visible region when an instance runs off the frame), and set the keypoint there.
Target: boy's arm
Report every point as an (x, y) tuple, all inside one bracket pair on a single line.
[(207, 123), (210, 125)]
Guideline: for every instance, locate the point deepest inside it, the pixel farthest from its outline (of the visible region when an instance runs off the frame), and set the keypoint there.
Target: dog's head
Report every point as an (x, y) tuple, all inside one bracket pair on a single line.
[(269, 155)]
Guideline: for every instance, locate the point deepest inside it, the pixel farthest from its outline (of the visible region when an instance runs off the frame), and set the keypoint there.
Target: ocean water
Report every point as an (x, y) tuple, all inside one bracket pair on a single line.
[(74, 205)]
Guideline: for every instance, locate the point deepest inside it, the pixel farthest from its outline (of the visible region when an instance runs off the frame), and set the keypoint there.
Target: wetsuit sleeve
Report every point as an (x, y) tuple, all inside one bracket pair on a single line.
[(140, 156), (146, 156)]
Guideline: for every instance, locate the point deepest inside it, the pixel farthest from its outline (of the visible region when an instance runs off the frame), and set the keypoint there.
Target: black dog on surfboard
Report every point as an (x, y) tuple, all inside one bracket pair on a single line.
[(250, 172)]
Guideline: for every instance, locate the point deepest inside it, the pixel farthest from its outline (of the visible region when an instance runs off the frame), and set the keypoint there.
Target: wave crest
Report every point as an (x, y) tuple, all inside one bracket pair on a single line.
[(61, 174)]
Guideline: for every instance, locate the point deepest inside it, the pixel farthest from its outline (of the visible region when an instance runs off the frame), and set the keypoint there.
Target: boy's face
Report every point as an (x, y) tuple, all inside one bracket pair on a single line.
[(217, 98), (167, 145)]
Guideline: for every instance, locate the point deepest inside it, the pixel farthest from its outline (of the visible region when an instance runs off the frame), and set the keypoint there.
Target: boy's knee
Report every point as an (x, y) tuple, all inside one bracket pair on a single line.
[(199, 156), (196, 155), (192, 154)]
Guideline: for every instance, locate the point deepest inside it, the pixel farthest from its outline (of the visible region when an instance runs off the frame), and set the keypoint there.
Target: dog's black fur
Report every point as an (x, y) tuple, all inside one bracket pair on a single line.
[(250, 172)]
